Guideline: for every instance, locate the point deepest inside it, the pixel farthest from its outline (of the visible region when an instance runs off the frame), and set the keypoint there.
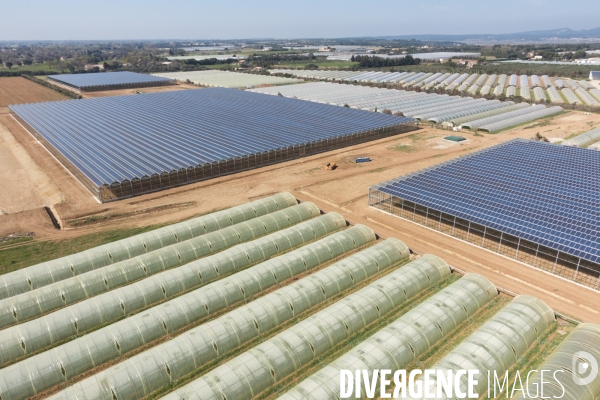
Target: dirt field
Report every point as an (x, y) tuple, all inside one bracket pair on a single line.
[(343, 190), (17, 90)]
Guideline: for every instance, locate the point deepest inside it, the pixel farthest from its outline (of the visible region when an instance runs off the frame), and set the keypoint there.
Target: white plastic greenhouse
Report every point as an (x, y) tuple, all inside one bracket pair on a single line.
[(502, 79), (109, 343), (595, 93), (511, 91), (402, 341), (511, 107), (499, 343), (43, 274), (474, 124), (61, 294), (584, 140), (555, 97), (277, 358), (538, 94), (570, 96), (508, 123), (587, 98), (585, 338), (486, 89), (51, 329), (165, 363), (546, 81)]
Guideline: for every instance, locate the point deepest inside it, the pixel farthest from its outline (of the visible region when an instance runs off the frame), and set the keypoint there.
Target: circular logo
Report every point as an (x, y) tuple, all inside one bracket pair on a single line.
[(585, 368)]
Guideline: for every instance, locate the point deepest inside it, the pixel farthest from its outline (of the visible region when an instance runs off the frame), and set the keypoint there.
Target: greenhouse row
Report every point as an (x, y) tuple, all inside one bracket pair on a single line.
[(276, 313), (279, 357), (474, 124), (199, 346), (420, 106), (521, 119), (499, 343), (110, 342), (74, 290), (226, 79), (36, 276), (405, 339), (94, 312)]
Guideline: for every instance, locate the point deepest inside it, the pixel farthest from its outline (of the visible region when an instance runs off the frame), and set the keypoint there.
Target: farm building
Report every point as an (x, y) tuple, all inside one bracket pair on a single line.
[(531, 201), (127, 145), (108, 81), (595, 75)]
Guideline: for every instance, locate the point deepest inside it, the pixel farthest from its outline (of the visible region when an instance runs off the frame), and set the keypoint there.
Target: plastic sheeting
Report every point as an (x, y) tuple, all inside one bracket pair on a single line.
[(69, 291), (484, 121), (570, 96), (521, 119), (498, 344), (67, 361), (538, 94), (404, 340), (554, 95), (585, 338), (546, 81), (587, 98), (275, 359), (43, 274), (92, 313), (584, 140), (159, 366), (510, 107)]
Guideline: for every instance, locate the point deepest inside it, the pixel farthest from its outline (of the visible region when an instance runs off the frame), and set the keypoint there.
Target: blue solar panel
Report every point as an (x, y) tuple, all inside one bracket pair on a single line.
[(118, 138), (544, 193), (106, 78)]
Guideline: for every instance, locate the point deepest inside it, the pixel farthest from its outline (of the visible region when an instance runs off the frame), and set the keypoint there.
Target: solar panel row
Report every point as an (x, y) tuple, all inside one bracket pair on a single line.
[(176, 137)]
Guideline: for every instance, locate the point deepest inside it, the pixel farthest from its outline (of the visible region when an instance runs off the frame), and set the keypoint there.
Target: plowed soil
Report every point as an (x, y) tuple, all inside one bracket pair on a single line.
[(17, 90)]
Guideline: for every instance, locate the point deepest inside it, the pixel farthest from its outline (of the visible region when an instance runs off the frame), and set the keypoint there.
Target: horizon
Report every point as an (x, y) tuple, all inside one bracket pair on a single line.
[(270, 20)]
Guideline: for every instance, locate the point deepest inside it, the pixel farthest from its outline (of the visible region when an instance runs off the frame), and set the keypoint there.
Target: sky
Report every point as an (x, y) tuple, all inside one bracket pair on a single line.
[(281, 19)]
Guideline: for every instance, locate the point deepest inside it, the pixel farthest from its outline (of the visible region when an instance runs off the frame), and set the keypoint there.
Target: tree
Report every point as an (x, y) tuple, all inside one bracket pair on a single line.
[(9, 64)]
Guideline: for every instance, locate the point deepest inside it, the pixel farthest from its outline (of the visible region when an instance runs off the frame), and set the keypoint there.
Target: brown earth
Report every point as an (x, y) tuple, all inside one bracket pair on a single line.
[(343, 190), (17, 90)]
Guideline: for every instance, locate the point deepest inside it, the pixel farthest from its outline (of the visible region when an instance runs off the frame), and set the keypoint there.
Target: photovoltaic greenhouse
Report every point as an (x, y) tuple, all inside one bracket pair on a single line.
[(127, 145), (532, 201)]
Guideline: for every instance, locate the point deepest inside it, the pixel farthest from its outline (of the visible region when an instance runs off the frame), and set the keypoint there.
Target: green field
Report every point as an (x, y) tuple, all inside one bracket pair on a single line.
[(34, 252)]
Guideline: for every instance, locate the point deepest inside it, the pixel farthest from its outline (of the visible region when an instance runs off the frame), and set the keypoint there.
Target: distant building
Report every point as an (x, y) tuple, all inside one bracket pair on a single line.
[(595, 75)]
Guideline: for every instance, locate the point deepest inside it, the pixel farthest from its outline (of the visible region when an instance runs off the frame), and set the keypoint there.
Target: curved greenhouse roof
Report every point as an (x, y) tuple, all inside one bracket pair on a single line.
[(584, 140), (214, 338), (499, 343), (401, 342), (36, 276), (521, 119), (566, 357)]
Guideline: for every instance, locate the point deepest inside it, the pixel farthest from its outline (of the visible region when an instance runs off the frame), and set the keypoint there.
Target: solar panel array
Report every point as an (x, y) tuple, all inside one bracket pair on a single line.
[(101, 80), (120, 138), (544, 193)]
